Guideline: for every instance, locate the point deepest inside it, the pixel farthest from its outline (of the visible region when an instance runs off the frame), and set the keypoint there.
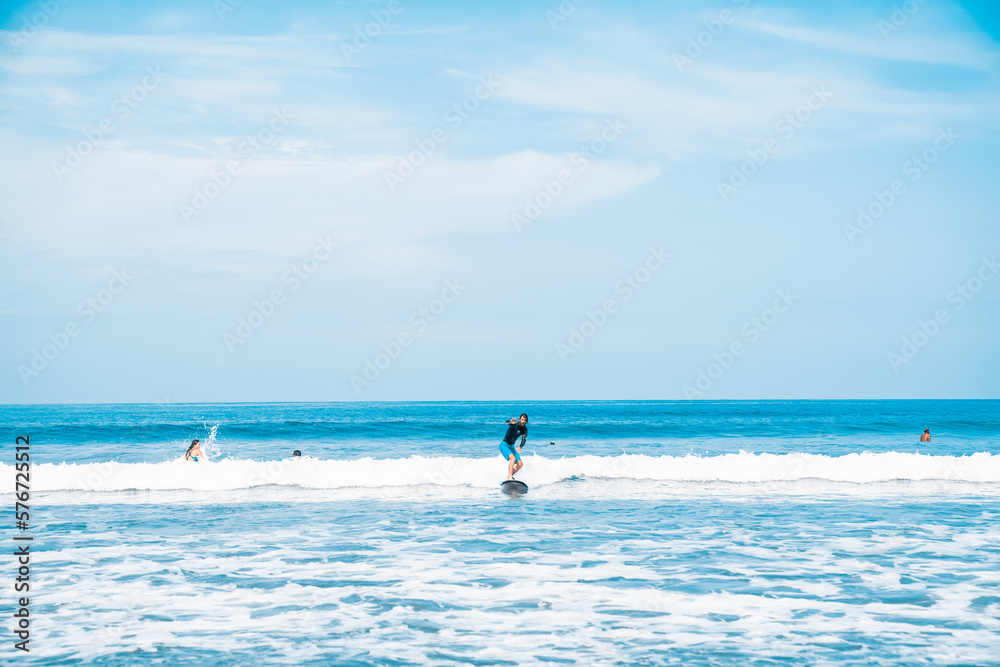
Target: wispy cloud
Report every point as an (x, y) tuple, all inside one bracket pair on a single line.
[(169, 20), (302, 51), (940, 49)]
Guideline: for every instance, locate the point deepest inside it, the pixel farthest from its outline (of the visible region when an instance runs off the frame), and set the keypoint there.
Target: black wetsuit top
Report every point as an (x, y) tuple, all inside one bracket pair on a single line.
[(514, 431)]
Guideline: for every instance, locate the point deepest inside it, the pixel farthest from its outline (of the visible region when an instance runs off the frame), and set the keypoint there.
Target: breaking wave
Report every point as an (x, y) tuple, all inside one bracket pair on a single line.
[(313, 473)]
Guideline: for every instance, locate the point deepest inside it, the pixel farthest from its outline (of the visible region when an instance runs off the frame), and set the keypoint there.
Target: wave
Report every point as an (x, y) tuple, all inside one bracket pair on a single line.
[(313, 473)]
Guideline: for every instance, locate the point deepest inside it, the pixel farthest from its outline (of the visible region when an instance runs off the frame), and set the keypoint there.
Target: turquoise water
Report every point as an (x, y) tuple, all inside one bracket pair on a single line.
[(654, 533)]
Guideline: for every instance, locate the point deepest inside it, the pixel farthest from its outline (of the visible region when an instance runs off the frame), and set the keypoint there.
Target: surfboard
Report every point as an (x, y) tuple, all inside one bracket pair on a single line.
[(513, 486)]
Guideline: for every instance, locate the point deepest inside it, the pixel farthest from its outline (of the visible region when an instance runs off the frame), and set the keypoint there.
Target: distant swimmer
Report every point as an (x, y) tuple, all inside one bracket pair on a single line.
[(194, 451), (296, 454), (926, 435), (516, 428)]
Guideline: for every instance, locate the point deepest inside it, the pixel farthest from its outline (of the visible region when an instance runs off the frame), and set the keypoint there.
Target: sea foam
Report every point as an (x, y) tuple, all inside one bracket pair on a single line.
[(312, 473)]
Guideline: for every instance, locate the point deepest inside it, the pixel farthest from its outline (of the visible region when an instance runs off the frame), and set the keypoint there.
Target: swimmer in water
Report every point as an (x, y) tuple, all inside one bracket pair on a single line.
[(296, 454), (194, 451), (926, 435)]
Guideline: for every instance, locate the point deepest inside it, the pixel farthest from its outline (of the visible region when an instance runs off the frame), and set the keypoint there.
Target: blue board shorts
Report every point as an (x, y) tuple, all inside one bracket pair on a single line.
[(506, 450)]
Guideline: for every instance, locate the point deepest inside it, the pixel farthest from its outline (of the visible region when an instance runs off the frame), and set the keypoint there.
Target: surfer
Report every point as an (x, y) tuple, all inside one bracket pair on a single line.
[(516, 428), (194, 451), (926, 435)]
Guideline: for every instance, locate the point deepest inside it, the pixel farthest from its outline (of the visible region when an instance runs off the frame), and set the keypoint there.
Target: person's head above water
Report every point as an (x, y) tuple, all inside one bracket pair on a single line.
[(194, 443), (523, 419), (927, 430), (296, 453)]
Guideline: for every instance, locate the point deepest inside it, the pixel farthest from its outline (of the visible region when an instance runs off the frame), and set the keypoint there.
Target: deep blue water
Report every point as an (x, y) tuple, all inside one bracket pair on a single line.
[(153, 433)]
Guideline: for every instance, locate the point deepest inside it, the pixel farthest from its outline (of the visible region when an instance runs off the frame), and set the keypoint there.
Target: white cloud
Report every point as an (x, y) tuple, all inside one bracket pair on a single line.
[(683, 116), (957, 50), (288, 50), (120, 201), (48, 66)]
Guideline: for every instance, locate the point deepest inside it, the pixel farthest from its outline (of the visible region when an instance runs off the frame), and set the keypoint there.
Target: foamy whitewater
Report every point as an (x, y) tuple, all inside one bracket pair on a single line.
[(744, 533), (481, 473)]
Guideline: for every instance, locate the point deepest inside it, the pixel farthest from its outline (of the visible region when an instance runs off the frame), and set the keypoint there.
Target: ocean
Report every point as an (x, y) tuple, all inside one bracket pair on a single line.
[(653, 533)]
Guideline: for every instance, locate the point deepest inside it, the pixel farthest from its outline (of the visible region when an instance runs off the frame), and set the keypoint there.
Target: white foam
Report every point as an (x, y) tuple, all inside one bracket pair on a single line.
[(391, 587), (484, 473)]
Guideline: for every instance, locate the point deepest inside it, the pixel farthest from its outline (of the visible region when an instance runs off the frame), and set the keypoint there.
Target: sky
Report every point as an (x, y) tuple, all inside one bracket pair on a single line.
[(302, 201)]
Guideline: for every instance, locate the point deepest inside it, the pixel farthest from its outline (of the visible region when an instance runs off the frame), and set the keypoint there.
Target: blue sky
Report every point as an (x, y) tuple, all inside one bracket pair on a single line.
[(117, 117)]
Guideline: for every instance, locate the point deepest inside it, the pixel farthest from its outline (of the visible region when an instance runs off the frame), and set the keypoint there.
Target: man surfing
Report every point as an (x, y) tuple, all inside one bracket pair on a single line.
[(516, 428)]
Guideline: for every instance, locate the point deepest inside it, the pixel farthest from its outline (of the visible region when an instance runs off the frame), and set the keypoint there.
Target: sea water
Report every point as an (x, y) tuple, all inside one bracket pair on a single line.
[(695, 533)]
